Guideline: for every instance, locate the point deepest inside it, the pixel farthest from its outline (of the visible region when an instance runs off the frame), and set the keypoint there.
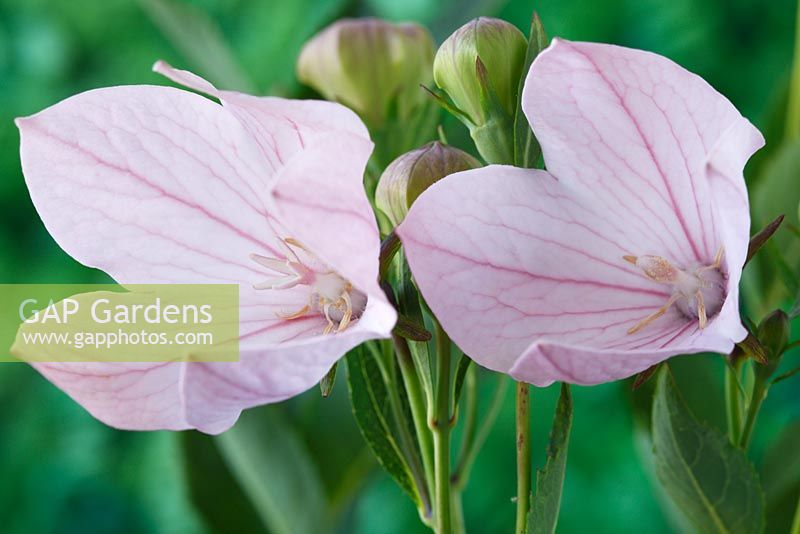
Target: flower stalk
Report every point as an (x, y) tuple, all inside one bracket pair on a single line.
[(523, 457), (440, 427)]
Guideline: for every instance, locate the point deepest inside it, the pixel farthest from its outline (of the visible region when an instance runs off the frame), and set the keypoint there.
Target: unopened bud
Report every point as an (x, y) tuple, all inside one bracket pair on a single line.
[(412, 173), (370, 65), (773, 333), (501, 47)]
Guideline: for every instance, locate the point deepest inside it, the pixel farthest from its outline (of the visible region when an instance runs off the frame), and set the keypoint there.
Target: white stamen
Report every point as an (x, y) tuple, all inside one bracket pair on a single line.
[(329, 294), (697, 291)]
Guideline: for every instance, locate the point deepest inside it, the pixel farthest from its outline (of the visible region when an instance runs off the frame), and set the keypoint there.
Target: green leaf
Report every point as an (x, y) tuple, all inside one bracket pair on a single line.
[(371, 408), (526, 147), (214, 491), (546, 501), (710, 481), (273, 468), (199, 39)]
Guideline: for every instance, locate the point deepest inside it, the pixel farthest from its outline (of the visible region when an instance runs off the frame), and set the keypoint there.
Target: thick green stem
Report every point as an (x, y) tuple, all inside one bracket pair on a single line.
[(756, 399), (733, 400), (523, 457), (416, 400), (441, 434), (793, 108)]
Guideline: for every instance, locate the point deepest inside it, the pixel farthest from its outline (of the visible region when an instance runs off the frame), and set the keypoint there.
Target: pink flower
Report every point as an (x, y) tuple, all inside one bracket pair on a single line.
[(158, 185), (629, 249)]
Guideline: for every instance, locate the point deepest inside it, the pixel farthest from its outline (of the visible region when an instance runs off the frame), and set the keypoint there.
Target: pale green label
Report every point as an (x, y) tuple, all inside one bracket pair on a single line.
[(111, 323)]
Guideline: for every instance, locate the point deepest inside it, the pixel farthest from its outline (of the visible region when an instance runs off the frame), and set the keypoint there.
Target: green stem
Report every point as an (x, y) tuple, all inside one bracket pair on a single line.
[(441, 434), (733, 400), (793, 108), (523, 457), (416, 400), (756, 399)]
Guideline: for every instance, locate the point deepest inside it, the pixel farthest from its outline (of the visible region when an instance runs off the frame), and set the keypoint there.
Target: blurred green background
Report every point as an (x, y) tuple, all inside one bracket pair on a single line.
[(62, 471)]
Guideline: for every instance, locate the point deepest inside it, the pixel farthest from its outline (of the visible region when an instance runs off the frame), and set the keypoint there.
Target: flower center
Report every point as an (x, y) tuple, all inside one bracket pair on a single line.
[(697, 291), (328, 292)]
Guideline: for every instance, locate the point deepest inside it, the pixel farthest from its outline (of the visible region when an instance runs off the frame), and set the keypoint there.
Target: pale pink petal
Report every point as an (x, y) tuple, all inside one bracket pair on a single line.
[(149, 184), (210, 396), (153, 184), (280, 126), (636, 129), (205, 396), (141, 396), (336, 220), (520, 267), (322, 185), (217, 392), (506, 256), (724, 169), (547, 362), (524, 269)]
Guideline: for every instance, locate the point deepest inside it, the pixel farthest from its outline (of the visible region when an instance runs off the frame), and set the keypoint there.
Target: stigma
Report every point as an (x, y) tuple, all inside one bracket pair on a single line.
[(698, 291), (329, 294)]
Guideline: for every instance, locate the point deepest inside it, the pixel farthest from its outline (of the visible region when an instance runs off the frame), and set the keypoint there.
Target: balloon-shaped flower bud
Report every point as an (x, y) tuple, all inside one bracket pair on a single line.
[(500, 46), (773, 332), (412, 173), (370, 65), (479, 67)]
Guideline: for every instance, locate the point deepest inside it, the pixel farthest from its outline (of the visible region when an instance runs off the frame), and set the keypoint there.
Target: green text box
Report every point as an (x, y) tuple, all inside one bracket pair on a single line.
[(112, 323)]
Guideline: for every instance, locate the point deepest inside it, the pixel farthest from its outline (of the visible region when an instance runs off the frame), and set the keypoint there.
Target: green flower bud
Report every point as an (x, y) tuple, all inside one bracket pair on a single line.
[(773, 333), (412, 173), (501, 48), (373, 66)]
